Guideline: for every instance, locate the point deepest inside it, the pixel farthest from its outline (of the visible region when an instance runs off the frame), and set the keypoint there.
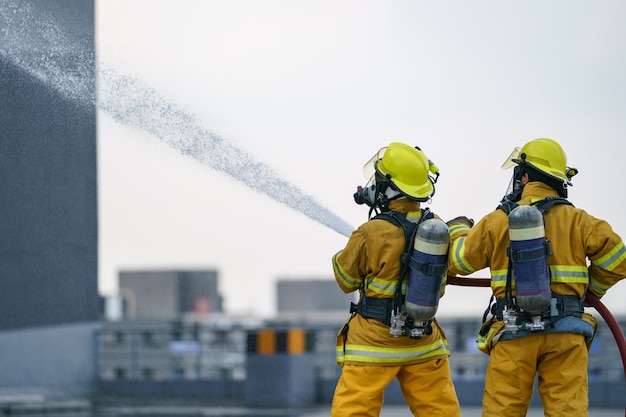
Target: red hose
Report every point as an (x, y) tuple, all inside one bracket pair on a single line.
[(595, 302), (590, 299)]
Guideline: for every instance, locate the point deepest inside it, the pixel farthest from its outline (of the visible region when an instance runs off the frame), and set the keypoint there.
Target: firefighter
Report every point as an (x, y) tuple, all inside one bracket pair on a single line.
[(581, 253), (370, 349)]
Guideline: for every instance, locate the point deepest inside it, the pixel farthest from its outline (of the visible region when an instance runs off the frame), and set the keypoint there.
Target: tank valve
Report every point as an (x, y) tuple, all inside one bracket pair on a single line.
[(510, 320), (397, 324), (537, 324)]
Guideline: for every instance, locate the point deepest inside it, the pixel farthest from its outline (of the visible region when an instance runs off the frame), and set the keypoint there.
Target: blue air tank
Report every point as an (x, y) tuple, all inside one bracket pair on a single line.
[(528, 252), (427, 266)]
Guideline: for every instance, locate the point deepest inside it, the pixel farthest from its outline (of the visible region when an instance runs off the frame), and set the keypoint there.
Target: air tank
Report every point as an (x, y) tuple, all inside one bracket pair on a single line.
[(528, 252), (426, 269)]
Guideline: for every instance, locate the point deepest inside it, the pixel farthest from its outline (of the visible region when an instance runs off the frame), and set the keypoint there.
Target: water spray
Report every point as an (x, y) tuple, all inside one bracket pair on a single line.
[(66, 63), (131, 103)]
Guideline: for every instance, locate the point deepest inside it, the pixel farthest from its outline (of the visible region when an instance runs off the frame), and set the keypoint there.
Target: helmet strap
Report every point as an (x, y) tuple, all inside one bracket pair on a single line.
[(382, 183)]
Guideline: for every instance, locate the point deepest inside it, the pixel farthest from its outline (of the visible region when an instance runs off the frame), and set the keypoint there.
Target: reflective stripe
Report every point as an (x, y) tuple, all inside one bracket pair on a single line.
[(484, 340), (374, 285), (457, 228), (384, 287), (339, 354), (559, 274), (457, 253), (598, 288), (372, 354), (612, 259), (498, 278), (347, 280), (414, 216), (568, 274)]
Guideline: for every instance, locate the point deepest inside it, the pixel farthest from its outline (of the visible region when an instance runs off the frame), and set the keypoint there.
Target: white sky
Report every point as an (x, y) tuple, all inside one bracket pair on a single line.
[(314, 88)]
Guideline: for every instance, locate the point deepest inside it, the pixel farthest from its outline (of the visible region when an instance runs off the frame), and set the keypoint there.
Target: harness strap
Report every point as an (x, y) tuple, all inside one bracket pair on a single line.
[(543, 206), (428, 268), (530, 254), (561, 306), (374, 308), (380, 309)]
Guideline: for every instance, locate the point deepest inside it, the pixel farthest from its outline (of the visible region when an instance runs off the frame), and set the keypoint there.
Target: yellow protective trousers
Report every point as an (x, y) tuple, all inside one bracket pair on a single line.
[(427, 388), (559, 360)]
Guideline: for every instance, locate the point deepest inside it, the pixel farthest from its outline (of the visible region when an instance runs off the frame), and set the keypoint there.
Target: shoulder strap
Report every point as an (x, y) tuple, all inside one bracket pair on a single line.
[(395, 217), (507, 206), (399, 219), (542, 205), (547, 203), (408, 227)]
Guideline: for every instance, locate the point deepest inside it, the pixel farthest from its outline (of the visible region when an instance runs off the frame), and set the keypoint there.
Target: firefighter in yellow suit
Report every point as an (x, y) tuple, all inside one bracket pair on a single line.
[(554, 347), (370, 356)]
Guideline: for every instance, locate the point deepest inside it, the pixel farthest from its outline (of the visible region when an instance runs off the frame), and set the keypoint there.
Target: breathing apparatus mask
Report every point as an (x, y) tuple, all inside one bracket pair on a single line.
[(379, 190), (370, 194), (377, 193)]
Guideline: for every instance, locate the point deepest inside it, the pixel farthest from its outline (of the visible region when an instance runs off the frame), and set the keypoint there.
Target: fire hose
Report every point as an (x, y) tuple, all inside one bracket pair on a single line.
[(590, 299)]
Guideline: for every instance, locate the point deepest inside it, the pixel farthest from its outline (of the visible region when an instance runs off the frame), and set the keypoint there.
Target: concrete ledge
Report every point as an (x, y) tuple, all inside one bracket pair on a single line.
[(218, 389), (39, 400)]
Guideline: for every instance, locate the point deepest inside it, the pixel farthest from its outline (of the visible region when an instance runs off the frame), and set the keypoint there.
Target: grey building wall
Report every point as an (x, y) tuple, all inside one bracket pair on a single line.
[(168, 294), (48, 199), (48, 195), (311, 295)]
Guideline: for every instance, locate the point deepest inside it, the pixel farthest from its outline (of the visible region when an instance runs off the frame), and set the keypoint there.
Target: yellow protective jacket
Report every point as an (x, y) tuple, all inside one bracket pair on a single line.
[(372, 257), (575, 237)]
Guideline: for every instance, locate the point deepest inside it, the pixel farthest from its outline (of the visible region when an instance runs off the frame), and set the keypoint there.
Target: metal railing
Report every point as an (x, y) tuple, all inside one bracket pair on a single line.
[(174, 351)]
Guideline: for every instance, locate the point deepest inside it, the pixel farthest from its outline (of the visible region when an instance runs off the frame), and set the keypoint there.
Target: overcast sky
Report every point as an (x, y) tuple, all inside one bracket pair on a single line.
[(313, 89)]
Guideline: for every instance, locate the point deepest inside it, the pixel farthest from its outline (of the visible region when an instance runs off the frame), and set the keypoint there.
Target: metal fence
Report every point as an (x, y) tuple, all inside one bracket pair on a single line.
[(170, 351)]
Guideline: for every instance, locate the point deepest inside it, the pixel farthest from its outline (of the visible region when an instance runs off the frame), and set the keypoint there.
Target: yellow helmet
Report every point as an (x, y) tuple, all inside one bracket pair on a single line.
[(407, 168), (546, 156)]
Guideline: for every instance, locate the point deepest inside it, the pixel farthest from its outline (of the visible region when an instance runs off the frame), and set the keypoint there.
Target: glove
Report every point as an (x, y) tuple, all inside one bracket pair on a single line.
[(461, 219)]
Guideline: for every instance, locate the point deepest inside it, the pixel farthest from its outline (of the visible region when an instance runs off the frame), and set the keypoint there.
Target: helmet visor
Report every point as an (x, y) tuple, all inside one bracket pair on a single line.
[(513, 159), (369, 169)]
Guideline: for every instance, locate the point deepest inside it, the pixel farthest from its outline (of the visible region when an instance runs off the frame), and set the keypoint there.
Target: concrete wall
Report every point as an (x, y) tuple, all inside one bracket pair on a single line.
[(56, 359)]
